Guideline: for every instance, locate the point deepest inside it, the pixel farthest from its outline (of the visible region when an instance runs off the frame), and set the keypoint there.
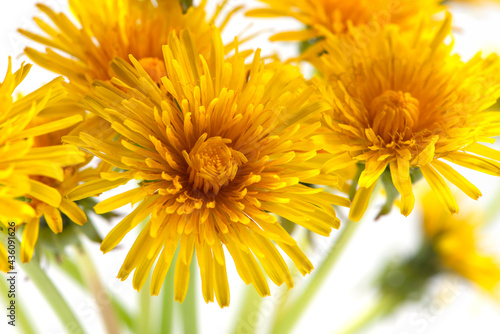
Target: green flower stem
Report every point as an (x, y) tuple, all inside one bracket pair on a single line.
[(285, 321), (143, 322), (92, 281), (71, 270), (251, 305), (376, 311), (188, 307), (52, 296), (21, 319), (122, 313), (167, 308)]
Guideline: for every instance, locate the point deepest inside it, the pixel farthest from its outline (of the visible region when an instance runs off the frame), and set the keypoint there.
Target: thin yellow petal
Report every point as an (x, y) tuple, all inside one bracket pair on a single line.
[(73, 211), (53, 218), (457, 179), (400, 174), (93, 188), (360, 202), (30, 236), (44, 193), (438, 184)]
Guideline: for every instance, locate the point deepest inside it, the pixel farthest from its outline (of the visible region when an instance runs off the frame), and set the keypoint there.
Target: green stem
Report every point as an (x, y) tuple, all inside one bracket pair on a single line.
[(52, 296), (372, 313), (168, 300), (144, 316), (188, 307), (92, 281), (71, 270), (251, 305), (285, 321), (21, 319)]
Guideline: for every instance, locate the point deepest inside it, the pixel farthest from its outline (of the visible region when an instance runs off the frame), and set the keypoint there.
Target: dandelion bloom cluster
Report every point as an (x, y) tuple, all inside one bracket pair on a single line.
[(403, 102), (216, 146), (30, 166), (106, 29), (339, 16), (456, 241)]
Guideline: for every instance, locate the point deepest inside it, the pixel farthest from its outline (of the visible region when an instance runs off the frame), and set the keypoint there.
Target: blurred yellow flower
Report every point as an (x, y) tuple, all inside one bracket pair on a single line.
[(338, 16), (29, 166), (456, 241), (106, 29), (404, 102), (217, 146)]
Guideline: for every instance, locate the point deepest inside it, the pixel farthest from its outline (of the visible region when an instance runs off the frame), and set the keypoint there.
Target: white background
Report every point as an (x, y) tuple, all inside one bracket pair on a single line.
[(348, 289)]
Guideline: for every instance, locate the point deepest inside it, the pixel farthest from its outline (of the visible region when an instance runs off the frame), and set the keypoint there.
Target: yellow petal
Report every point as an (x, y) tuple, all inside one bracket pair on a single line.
[(181, 280), (4, 260), (11, 209), (116, 201), (30, 236), (53, 218), (440, 187), (93, 188), (44, 193), (360, 202), (400, 174), (371, 173), (73, 211), (49, 127), (301, 261), (457, 179), (221, 283)]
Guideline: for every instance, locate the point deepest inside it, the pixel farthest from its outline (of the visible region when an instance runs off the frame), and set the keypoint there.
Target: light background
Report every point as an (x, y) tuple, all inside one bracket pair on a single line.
[(458, 308)]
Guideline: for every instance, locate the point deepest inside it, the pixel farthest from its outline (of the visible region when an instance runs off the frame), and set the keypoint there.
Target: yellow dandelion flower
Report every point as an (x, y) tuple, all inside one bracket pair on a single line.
[(26, 163), (217, 147), (451, 244), (338, 16), (107, 29), (456, 241), (404, 103)]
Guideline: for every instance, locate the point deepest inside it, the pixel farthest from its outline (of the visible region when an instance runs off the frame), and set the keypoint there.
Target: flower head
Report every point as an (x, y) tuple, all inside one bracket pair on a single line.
[(217, 146), (457, 242), (403, 102), (339, 16), (31, 163), (107, 29)]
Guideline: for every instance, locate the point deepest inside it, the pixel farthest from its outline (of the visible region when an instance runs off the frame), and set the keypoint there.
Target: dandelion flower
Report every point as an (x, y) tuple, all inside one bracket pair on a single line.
[(107, 29), (457, 243), (217, 147), (451, 245), (26, 164), (338, 16), (404, 103)]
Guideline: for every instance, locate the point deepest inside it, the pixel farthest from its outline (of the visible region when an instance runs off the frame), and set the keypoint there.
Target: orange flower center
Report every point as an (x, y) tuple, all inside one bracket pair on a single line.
[(393, 115), (212, 165), (154, 67)]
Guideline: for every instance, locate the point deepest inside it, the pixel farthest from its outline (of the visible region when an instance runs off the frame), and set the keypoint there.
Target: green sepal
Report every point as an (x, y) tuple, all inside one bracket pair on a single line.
[(391, 193), (186, 4), (415, 175), (408, 279)]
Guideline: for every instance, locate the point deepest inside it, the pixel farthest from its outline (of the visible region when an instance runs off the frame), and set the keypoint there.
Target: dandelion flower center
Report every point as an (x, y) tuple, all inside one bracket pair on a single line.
[(212, 165), (154, 67), (394, 114)]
